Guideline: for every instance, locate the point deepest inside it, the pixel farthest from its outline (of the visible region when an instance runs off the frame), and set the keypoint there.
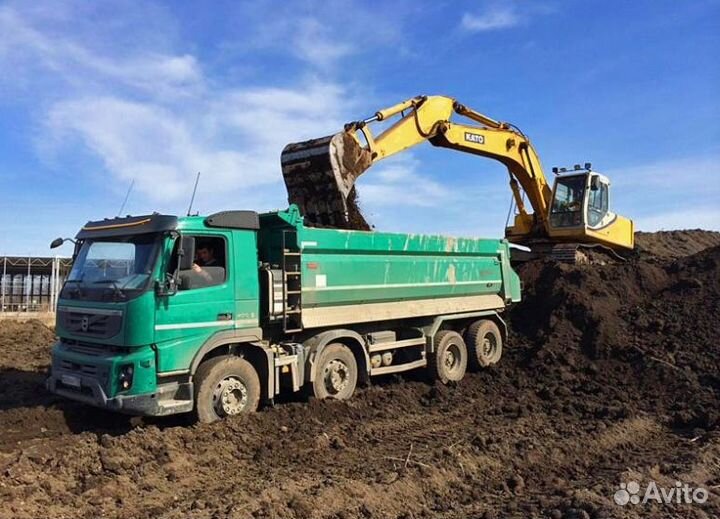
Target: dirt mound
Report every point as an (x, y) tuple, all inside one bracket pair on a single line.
[(675, 244), (25, 344), (611, 375), (630, 320)]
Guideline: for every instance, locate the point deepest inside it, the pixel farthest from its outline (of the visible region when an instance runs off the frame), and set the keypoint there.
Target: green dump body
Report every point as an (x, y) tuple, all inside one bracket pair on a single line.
[(356, 276)]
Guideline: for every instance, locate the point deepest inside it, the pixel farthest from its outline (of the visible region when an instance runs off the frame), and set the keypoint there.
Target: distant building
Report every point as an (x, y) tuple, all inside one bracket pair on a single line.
[(31, 284)]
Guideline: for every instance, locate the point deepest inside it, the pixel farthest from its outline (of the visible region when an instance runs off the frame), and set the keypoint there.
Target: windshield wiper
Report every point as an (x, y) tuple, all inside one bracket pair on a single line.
[(78, 284), (117, 292)]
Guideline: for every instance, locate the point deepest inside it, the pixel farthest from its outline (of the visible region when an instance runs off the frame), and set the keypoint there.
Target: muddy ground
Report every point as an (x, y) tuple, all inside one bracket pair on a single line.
[(612, 375)]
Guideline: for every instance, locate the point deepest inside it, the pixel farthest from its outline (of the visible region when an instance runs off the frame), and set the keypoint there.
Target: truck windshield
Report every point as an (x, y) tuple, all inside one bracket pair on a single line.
[(116, 263)]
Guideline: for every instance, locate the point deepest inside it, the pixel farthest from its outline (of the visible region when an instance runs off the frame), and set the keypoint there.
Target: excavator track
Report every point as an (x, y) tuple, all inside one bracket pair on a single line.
[(320, 175), (572, 253)]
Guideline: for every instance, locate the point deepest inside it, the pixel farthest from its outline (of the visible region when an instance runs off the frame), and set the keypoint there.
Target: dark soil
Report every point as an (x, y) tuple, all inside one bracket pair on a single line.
[(612, 374), (673, 244)]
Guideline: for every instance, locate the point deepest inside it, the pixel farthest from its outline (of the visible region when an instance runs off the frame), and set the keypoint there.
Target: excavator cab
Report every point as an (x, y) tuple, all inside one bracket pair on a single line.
[(580, 210), (570, 194)]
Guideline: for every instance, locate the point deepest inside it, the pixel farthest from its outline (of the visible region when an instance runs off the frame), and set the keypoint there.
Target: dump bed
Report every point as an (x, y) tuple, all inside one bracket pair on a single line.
[(356, 276)]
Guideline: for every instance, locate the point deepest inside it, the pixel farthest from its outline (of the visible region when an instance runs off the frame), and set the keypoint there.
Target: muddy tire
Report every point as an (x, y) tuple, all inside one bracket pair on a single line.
[(448, 362), (336, 374), (485, 343), (225, 386)]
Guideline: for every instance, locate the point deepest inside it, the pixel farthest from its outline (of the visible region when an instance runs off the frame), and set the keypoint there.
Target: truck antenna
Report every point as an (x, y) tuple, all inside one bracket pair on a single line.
[(192, 198), (127, 195)]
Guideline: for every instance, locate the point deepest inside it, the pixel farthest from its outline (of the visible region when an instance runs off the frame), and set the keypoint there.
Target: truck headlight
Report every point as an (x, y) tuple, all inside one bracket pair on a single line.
[(126, 376)]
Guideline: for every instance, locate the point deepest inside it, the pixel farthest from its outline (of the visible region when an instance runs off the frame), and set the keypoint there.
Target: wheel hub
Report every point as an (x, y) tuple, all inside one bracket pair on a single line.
[(230, 396), (450, 359), (336, 376), (488, 345)]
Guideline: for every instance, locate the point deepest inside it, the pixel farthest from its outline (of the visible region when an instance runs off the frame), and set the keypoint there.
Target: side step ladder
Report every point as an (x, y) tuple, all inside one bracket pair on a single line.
[(292, 283)]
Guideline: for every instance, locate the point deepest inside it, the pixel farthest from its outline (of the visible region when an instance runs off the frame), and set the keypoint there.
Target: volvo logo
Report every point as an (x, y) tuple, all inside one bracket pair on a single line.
[(85, 323)]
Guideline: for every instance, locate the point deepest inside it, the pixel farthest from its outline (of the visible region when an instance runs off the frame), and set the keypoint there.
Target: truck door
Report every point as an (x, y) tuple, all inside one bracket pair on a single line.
[(203, 305)]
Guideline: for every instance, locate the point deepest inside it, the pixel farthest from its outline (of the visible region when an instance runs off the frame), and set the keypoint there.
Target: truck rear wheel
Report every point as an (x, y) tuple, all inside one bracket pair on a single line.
[(225, 386), (448, 362), (484, 342), (336, 374)]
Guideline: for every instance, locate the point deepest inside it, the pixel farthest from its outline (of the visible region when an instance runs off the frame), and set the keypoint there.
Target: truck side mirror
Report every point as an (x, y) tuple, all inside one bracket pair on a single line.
[(56, 243), (167, 287), (594, 183), (186, 252)]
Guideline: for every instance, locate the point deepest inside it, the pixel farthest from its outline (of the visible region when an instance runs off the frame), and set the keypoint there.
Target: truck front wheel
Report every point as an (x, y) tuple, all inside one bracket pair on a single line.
[(448, 362), (336, 374), (485, 343), (225, 386)]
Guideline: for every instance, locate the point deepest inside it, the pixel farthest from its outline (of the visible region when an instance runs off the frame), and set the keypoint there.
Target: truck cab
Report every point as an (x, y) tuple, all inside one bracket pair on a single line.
[(137, 302)]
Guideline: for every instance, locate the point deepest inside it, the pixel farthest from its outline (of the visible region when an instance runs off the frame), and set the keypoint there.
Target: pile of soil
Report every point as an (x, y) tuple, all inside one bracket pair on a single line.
[(25, 344), (611, 375), (674, 244)]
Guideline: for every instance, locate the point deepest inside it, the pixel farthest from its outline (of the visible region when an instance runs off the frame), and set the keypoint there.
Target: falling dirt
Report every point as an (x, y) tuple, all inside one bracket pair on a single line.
[(319, 176), (612, 374)]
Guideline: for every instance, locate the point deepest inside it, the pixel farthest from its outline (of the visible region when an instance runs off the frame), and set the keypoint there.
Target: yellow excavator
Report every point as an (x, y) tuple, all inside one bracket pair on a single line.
[(320, 176)]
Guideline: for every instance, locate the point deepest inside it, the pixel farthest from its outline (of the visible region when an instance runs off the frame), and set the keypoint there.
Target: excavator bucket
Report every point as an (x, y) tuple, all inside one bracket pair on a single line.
[(320, 178)]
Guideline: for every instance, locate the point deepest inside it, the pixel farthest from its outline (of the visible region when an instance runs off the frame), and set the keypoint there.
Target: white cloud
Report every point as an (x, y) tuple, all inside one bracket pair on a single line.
[(681, 176), (678, 193), (315, 44), (494, 17), (320, 34), (154, 116), (397, 183), (707, 218), (234, 139), (25, 46)]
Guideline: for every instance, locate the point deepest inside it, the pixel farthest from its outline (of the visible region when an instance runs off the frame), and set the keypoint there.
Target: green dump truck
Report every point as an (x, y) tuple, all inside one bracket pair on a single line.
[(215, 315)]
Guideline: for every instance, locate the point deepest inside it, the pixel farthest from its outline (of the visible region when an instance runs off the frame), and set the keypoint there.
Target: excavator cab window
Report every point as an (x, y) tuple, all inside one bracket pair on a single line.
[(597, 206), (567, 206)]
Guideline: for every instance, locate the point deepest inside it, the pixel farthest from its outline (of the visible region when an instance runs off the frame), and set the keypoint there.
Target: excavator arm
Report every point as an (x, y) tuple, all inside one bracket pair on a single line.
[(423, 118), (320, 174)]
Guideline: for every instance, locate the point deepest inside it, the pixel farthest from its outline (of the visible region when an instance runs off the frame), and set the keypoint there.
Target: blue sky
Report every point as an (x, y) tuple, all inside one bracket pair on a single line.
[(94, 95)]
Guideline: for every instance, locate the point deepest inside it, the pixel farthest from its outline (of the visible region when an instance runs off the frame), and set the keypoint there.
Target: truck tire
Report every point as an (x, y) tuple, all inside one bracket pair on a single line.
[(484, 342), (448, 362), (336, 374), (225, 386)]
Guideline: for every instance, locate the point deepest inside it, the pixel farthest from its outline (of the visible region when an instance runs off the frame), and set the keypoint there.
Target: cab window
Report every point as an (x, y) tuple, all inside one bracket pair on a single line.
[(566, 210), (597, 205), (209, 265)]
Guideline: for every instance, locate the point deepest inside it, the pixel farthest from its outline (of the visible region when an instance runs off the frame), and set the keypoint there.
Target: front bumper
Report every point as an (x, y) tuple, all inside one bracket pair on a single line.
[(161, 402), (89, 374)]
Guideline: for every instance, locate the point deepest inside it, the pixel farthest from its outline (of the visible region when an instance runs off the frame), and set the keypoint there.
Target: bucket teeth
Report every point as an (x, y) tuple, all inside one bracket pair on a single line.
[(320, 176)]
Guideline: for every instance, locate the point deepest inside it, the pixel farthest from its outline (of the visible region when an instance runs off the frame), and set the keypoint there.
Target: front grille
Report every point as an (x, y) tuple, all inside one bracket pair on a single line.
[(84, 369), (93, 350), (97, 323)]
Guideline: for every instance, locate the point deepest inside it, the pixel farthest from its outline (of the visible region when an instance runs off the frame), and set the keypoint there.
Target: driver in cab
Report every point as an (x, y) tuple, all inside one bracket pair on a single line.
[(206, 264)]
